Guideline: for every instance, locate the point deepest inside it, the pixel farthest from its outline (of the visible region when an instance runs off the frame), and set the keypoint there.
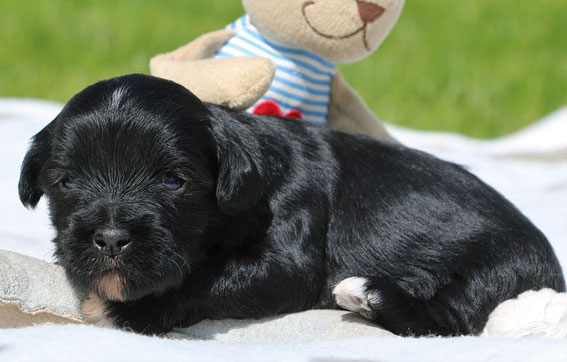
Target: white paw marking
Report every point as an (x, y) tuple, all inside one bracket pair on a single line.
[(94, 311), (351, 294)]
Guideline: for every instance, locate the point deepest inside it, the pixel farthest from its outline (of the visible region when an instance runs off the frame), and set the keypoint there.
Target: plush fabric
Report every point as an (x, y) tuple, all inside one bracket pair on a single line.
[(88, 343), (33, 292), (542, 313), (231, 88)]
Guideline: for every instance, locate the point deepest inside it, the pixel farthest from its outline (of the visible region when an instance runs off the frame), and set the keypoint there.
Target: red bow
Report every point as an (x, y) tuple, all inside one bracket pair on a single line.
[(272, 108)]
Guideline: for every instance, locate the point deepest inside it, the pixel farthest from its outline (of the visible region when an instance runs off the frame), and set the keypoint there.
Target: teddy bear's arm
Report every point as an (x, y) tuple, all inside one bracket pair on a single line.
[(233, 82), (203, 47), (347, 111)]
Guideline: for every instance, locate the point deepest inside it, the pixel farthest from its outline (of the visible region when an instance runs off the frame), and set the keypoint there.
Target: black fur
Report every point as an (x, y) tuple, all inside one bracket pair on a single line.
[(272, 214)]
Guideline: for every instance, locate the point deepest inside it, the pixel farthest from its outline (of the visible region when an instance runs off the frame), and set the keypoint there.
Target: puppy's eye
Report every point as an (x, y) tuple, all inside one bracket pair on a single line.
[(172, 182), (69, 183)]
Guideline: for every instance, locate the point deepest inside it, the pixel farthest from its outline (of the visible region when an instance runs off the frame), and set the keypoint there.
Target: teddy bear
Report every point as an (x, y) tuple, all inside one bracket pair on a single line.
[(280, 59)]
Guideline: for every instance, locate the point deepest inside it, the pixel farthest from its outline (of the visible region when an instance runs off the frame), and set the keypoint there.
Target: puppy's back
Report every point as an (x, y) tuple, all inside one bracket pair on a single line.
[(439, 232)]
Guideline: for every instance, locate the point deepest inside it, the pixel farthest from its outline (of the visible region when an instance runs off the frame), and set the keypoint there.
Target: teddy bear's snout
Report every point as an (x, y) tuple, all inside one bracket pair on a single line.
[(344, 19), (369, 12)]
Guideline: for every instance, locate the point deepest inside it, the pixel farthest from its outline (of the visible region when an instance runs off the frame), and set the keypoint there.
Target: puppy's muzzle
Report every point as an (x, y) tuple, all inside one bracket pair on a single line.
[(111, 241)]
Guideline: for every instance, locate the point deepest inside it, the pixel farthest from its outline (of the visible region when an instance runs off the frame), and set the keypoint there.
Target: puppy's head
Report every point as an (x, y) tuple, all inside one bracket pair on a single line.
[(131, 171)]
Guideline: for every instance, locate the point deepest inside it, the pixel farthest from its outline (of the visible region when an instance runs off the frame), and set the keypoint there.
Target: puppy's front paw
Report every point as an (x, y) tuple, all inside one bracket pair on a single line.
[(353, 294), (148, 315), (94, 310)]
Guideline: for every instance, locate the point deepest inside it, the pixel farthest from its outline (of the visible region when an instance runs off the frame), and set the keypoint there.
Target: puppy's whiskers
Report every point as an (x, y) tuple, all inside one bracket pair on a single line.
[(178, 267), (185, 263)]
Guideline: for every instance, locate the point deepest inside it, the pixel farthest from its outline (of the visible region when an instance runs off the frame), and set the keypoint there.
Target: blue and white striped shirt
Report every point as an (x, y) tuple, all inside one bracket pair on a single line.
[(302, 80)]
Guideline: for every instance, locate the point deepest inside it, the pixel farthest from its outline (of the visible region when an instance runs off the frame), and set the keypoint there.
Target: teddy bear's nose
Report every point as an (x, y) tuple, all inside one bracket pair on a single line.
[(369, 11)]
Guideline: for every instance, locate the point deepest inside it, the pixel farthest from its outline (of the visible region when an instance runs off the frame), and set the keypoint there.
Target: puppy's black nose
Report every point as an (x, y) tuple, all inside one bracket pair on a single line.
[(111, 241)]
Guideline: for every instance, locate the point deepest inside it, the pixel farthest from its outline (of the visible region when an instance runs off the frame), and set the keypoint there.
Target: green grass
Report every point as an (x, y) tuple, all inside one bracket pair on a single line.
[(483, 68)]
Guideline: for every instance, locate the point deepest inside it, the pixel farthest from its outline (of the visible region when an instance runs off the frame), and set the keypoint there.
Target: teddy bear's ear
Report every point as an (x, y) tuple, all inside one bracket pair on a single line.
[(38, 153)]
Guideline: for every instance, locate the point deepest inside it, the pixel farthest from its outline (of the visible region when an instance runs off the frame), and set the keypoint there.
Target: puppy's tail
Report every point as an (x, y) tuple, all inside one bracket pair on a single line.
[(540, 313)]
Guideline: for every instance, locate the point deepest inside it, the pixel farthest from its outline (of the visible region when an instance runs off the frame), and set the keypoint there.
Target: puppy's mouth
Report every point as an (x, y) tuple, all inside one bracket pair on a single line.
[(150, 264), (118, 280)]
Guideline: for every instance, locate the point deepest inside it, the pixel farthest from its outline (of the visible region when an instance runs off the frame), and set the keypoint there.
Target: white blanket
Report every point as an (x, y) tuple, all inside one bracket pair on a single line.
[(529, 167)]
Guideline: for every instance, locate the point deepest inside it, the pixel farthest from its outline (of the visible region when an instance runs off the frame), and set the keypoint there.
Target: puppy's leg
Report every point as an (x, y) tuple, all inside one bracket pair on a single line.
[(352, 294), (387, 304), (233, 289)]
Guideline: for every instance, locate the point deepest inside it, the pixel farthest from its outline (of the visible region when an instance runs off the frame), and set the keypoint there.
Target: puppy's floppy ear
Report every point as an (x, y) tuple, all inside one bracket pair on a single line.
[(242, 178), (38, 153)]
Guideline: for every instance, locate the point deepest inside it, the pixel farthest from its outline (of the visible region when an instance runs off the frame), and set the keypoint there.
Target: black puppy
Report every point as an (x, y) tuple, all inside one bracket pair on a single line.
[(169, 211)]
